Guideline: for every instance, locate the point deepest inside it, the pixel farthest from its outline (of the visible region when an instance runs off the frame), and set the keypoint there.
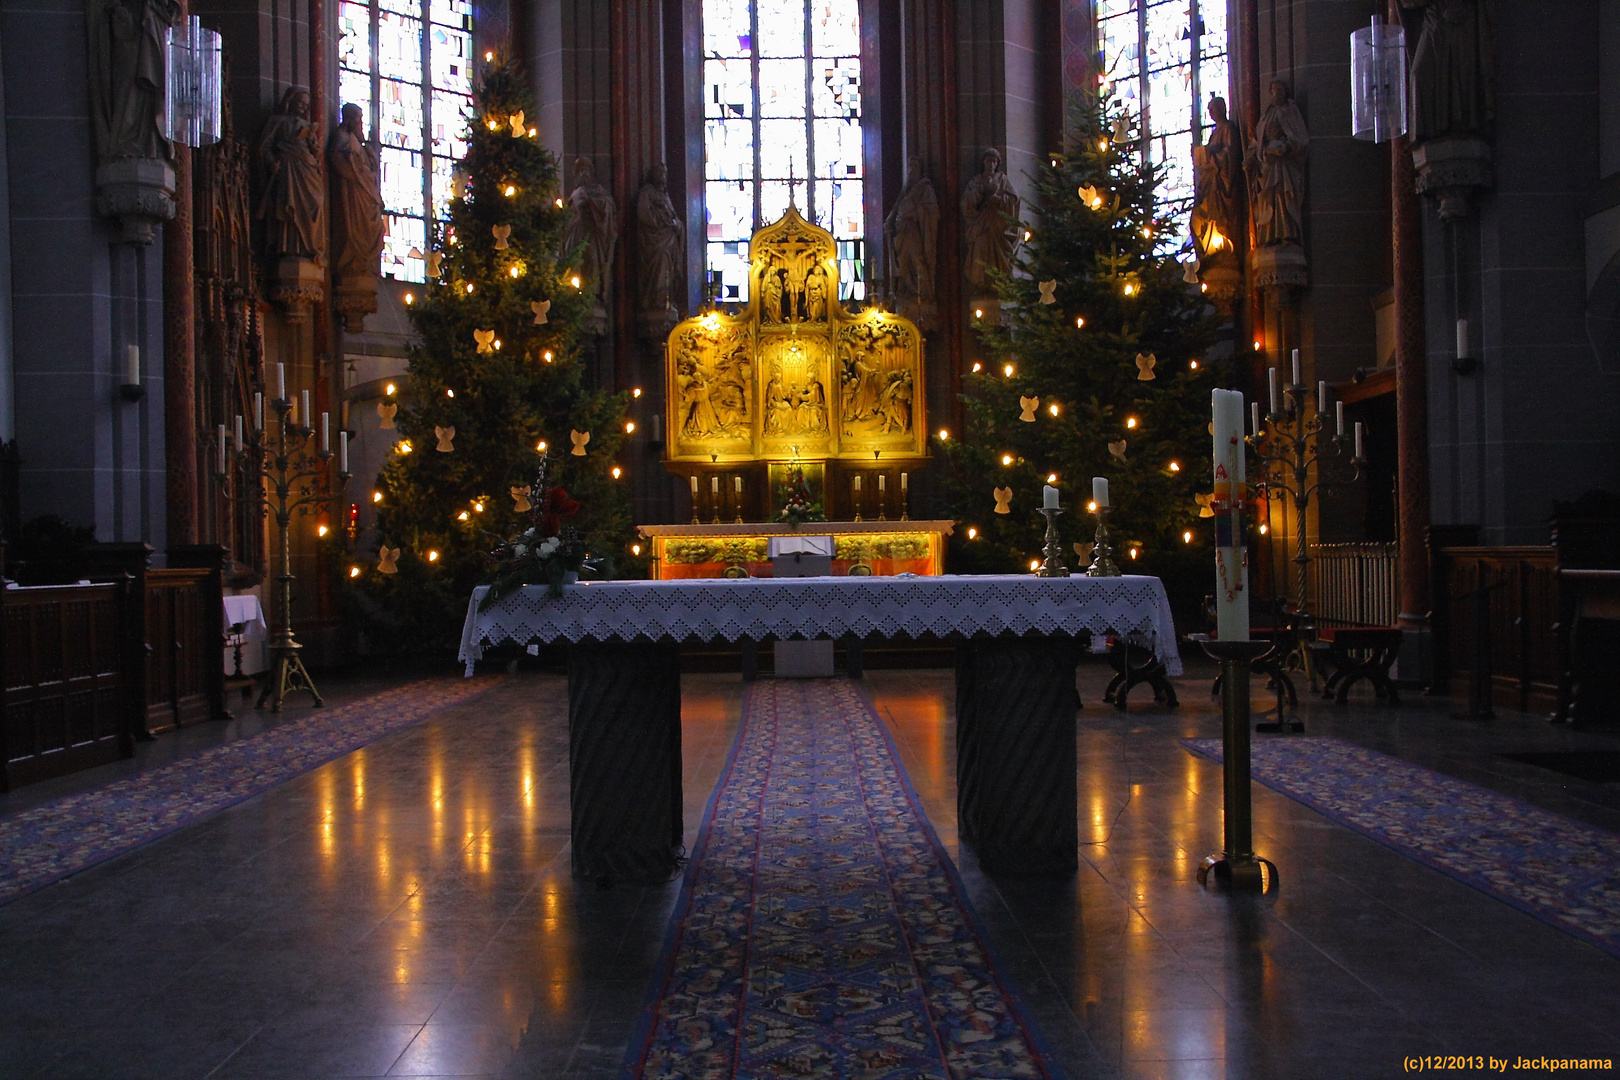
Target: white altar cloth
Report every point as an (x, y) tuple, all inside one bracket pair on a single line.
[(730, 609)]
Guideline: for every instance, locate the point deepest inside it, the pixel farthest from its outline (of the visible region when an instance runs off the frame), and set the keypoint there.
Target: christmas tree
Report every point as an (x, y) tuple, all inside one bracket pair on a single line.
[(496, 383), (1097, 366)]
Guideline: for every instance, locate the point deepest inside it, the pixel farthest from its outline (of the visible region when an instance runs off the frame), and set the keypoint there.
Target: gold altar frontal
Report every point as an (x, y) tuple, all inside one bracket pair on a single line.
[(872, 547), (792, 380)]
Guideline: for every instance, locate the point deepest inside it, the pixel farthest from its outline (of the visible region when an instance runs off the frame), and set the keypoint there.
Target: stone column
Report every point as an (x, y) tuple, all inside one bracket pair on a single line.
[(179, 351)]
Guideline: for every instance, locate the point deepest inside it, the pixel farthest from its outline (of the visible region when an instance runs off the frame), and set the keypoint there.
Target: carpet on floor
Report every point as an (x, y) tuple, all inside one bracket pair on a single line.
[(1562, 871), (821, 929), (51, 841)]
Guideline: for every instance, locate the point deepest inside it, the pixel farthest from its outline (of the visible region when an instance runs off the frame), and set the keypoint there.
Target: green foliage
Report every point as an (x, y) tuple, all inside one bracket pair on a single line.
[(1114, 267), (502, 402)]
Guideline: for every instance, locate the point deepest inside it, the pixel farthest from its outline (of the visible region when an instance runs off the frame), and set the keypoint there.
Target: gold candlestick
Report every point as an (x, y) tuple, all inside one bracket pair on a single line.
[(1053, 566), (1102, 563)]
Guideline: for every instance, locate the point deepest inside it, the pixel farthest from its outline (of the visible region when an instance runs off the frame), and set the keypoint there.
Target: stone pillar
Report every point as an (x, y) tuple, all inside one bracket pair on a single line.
[(179, 352)]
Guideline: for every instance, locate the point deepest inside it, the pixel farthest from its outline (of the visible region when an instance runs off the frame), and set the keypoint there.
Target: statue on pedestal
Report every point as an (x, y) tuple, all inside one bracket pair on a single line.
[(594, 231), (990, 219), (1217, 213), (662, 238), (357, 219), (293, 205), (1453, 101), (1275, 162), (134, 170), (911, 233)]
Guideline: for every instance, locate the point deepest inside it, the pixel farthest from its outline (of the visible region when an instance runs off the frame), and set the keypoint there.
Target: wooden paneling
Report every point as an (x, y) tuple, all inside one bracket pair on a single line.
[(1524, 619)]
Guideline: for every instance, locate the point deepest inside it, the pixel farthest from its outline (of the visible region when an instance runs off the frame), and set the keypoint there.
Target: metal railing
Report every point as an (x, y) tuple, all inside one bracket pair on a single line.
[(1357, 584)]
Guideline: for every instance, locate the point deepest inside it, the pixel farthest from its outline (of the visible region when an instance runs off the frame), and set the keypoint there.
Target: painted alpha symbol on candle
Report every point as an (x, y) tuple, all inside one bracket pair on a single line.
[(1029, 405), (540, 309), (1117, 449), (385, 415), (501, 232), (580, 438), (387, 560), (485, 340), (1048, 290), (444, 435), (1144, 367), (520, 496), (1003, 499)]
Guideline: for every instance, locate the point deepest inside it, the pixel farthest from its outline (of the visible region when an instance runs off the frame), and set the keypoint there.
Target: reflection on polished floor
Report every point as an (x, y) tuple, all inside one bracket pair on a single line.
[(407, 911)]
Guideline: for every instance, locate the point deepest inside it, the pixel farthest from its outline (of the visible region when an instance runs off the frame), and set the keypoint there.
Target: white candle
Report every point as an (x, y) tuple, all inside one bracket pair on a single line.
[(1338, 415), (1271, 382), (1049, 497), (714, 485), (304, 412), (857, 483), (1358, 439), (326, 432), (258, 411), (903, 478), (693, 478), (1297, 380), (132, 364), (883, 483), (1462, 338), (1321, 396), (281, 382), (239, 441), (1254, 413), (343, 451), (738, 480), (1231, 491), (221, 468), (1099, 491)]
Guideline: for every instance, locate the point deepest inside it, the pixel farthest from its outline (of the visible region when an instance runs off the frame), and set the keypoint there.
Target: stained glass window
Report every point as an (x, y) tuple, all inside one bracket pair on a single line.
[(408, 64), (786, 113), (1164, 59)]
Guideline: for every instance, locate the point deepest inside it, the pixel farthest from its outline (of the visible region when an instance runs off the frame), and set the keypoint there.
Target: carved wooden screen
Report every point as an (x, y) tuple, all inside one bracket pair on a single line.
[(792, 375)]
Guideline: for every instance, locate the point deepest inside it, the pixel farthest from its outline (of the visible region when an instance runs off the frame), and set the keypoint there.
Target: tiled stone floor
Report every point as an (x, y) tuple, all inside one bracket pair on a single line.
[(407, 911)]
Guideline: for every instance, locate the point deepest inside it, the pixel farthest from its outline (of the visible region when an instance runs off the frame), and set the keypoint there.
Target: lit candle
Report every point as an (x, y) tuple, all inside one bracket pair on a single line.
[(1462, 338), (281, 382), (857, 482), (132, 364), (258, 411), (326, 432), (1358, 439), (239, 441), (221, 468), (1271, 383), (1321, 396), (1049, 497), (883, 483), (343, 451), (1099, 491), (1297, 380), (1231, 490), (304, 412), (1338, 415)]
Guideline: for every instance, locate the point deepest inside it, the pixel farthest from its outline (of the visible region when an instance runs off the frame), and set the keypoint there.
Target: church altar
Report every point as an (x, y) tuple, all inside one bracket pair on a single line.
[(881, 547), (1015, 680)]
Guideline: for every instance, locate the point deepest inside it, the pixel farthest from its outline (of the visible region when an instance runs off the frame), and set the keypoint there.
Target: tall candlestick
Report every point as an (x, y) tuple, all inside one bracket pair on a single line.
[(1297, 380), (1359, 454), (1462, 338), (326, 432), (221, 467), (1271, 384), (1231, 491), (281, 382), (1049, 497), (1321, 396), (258, 411), (1099, 491), (1338, 415), (343, 451), (239, 441), (1254, 413), (132, 364)]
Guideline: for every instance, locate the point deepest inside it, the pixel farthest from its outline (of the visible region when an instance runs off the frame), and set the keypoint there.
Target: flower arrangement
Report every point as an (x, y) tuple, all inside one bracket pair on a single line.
[(797, 507), (549, 551)]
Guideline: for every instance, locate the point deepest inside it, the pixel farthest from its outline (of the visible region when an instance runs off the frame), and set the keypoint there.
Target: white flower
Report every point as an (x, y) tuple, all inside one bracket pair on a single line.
[(519, 549), (548, 546)]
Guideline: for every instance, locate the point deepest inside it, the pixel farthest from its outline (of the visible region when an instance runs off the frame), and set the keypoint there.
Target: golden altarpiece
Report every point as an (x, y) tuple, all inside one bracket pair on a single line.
[(793, 381)]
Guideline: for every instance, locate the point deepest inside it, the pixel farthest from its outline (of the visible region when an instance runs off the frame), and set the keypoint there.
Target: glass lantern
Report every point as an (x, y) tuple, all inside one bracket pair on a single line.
[(1378, 82), (191, 113)]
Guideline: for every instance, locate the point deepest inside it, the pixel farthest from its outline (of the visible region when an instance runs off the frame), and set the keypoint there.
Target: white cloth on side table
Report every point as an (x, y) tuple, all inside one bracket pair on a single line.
[(246, 611), (710, 609)]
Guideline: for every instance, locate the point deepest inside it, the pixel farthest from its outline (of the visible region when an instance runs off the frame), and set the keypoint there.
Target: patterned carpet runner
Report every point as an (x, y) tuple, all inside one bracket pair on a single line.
[(821, 929), (49, 842), (1563, 872)]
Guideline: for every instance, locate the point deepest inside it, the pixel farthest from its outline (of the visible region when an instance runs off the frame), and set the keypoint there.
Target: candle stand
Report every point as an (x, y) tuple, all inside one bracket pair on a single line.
[(1296, 458), (1102, 562), (1236, 867), (294, 472), (1053, 566)]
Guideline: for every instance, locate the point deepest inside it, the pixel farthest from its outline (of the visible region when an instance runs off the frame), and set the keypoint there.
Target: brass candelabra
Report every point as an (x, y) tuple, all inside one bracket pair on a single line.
[(1052, 566), (1102, 551)]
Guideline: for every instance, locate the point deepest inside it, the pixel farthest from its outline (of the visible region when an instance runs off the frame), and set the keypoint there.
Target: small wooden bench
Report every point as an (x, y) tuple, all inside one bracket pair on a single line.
[(1356, 653)]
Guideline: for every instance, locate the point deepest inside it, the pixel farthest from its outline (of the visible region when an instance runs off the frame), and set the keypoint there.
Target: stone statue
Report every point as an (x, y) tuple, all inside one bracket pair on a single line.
[(128, 57), (990, 217), (594, 230), (663, 239), (357, 219), (357, 210), (1452, 76), (1275, 162), (294, 202), (1217, 184), (911, 232)]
